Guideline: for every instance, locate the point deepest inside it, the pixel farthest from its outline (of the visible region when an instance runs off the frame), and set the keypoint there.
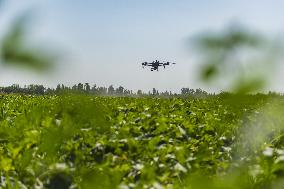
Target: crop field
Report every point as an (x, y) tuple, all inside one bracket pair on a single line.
[(84, 141)]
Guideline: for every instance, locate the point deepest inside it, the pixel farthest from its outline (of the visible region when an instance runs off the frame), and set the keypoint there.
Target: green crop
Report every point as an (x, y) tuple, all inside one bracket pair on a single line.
[(76, 141)]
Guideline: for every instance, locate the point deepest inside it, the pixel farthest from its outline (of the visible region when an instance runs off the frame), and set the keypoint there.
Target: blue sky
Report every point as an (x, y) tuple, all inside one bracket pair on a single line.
[(104, 41)]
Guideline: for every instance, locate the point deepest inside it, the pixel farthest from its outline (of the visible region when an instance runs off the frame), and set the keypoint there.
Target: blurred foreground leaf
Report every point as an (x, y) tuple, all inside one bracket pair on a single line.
[(228, 40), (238, 56), (15, 49), (249, 85)]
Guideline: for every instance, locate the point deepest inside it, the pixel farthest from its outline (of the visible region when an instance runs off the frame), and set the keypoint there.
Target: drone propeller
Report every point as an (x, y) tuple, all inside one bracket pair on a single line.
[(171, 62), (144, 64)]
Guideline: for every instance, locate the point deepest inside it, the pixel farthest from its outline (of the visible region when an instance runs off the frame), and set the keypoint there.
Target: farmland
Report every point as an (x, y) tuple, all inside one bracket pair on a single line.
[(85, 141)]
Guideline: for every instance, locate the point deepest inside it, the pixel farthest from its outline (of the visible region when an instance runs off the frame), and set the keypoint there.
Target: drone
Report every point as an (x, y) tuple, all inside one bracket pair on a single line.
[(156, 64)]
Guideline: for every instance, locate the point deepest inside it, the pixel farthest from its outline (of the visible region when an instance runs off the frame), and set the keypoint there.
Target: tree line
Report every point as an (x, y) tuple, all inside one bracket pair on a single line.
[(86, 88)]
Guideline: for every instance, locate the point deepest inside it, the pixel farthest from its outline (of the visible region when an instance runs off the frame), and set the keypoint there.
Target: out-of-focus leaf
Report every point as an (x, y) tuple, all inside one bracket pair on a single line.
[(234, 53), (15, 49), (249, 85), (209, 71), (100, 179), (6, 164), (227, 40)]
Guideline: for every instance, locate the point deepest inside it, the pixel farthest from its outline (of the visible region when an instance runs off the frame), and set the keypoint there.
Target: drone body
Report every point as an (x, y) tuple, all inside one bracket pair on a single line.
[(156, 64)]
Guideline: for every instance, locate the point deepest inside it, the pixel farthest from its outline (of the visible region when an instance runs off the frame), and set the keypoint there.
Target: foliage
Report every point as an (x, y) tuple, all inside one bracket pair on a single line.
[(95, 90), (16, 50), (81, 141), (242, 58)]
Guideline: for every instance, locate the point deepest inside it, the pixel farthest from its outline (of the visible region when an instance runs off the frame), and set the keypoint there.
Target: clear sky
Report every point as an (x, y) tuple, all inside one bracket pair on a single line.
[(105, 41)]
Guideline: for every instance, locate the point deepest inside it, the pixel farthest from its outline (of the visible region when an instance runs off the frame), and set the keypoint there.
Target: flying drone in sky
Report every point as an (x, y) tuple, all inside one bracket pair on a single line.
[(156, 64)]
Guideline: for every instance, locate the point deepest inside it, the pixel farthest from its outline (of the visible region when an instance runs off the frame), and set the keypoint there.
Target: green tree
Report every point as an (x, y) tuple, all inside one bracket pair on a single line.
[(80, 87), (87, 87), (110, 90)]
